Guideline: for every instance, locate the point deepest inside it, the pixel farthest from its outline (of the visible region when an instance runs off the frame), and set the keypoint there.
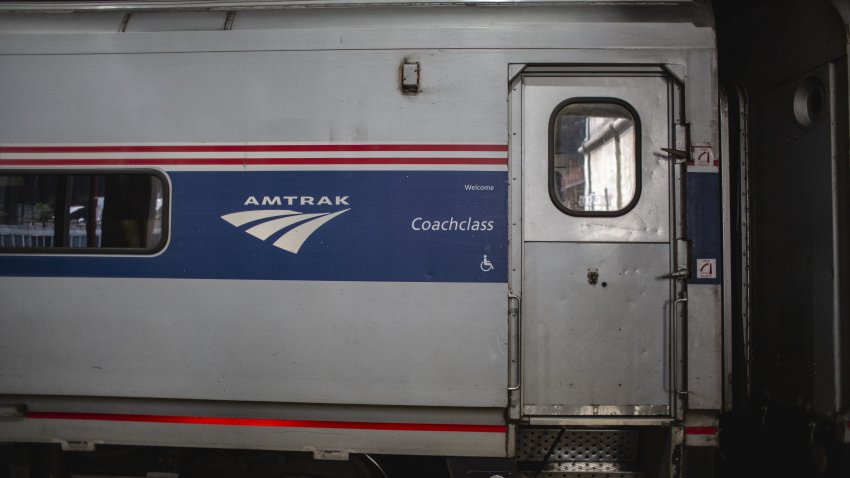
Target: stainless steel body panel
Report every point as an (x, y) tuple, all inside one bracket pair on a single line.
[(482, 27), (328, 342), (159, 97), (180, 5), (706, 332), (649, 221), (160, 21), (591, 345), (258, 438), (704, 340), (572, 322), (248, 96), (467, 443), (439, 350)]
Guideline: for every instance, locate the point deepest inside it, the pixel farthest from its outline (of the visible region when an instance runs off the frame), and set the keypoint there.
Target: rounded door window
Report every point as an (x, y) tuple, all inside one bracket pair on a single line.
[(594, 167)]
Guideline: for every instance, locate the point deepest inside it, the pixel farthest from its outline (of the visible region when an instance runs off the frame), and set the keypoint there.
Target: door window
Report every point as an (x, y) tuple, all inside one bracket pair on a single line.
[(594, 160)]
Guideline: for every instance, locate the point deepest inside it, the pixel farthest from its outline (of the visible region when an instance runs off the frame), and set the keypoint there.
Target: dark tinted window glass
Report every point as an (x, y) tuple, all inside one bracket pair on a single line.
[(85, 212)]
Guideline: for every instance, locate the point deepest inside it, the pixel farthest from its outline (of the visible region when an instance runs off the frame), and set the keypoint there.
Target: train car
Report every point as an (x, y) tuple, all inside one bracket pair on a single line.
[(487, 238), (787, 117)]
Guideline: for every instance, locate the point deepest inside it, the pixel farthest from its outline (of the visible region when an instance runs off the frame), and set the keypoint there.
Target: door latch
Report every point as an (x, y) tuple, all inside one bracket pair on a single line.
[(679, 155), (681, 274)]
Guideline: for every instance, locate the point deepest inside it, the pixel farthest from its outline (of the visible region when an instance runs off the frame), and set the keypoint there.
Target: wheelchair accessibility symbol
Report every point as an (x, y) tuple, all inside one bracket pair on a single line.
[(486, 265)]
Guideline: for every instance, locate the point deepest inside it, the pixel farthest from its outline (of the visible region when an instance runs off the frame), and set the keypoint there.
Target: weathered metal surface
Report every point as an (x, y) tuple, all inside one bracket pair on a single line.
[(257, 341), (587, 344), (593, 284), (649, 220), (279, 4), (304, 75), (578, 446)]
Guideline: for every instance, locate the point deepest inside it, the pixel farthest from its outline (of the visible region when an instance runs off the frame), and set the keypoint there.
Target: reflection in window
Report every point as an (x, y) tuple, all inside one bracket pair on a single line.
[(595, 161), (44, 211)]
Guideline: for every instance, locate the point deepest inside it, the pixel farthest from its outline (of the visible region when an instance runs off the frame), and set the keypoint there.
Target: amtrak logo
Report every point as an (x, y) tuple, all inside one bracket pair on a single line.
[(268, 222)]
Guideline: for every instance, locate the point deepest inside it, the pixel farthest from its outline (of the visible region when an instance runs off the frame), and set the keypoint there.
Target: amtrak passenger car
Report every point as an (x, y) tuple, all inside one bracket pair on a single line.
[(486, 234)]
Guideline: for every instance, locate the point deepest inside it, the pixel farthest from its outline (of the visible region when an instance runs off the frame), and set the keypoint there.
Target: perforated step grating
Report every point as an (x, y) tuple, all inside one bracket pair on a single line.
[(578, 445), (581, 470), (578, 454), (582, 475)]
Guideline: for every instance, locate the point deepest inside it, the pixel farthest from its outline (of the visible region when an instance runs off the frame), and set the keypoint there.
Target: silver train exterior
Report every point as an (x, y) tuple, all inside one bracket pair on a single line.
[(460, 230)]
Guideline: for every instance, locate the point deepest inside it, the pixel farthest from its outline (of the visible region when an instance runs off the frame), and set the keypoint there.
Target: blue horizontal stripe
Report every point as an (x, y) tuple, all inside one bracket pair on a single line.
[(376, 240)]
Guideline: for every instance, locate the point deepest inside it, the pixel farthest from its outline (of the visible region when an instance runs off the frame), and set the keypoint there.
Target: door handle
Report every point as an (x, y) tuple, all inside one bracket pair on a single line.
[(514, 315), (676, 368), (682, 274)]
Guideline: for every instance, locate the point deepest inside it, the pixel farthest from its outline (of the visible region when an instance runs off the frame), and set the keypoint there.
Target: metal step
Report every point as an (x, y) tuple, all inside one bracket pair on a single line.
[(580, 474), (579, 453), (578, 445), (582, 470)]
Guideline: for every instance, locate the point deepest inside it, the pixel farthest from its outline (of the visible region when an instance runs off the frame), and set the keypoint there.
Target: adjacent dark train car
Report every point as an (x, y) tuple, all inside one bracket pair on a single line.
[(784, 68)]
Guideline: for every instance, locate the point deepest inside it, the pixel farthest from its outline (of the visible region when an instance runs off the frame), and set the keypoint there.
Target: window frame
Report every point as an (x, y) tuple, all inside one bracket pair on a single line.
[(553, 195), (100, 251)]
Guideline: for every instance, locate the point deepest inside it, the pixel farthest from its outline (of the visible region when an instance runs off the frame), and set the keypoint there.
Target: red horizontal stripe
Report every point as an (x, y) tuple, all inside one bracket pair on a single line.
[(253, 148), (485, 161), (268, 422), (247, 161), (701, 430), (123, 162)]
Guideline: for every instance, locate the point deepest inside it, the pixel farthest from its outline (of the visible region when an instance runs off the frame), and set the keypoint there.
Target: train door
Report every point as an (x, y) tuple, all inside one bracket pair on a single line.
[(597, 222)]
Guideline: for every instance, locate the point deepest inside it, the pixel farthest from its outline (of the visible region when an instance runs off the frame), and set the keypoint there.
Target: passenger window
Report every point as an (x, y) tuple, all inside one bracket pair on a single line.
[(594, 160), (78, 212)]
